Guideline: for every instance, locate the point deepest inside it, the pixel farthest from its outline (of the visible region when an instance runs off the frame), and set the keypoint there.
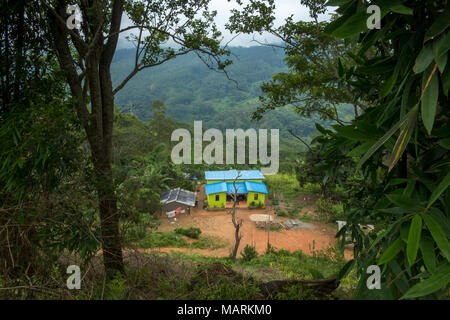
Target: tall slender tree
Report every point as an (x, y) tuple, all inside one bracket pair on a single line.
[(160, 30)]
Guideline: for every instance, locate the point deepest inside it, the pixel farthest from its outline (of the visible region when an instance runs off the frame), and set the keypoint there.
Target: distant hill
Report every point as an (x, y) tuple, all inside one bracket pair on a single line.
[(191, 91)]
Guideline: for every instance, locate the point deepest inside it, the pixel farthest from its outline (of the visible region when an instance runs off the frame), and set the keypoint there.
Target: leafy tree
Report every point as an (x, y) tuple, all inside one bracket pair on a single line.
[(401, 145), (40, 152), (314, 83), (161, 125), (399, 140), (325, 164), (85, 57)]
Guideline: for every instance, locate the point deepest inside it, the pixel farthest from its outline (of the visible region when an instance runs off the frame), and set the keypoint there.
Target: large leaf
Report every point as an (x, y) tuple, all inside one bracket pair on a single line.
[(429, 258), (405, 202), (346, 269), (439, 25), (399, 8), (441, 62), (385, 138), (415, 232), (353, 25), (446, 80), (389, 84), (430, 98), (360, 150), (424, 59), (357, 23), (441, 45), (430, 285), (438, 235), (442, 219), (403, 139), (386, 232), (443, 185), (392, 251)]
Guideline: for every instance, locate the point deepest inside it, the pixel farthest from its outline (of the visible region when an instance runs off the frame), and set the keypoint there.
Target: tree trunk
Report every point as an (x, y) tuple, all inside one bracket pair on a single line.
[(237, 238), (109, 219), (97, 122)]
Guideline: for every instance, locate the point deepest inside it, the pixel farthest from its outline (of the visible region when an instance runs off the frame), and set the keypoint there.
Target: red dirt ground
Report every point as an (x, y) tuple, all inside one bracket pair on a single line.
[(218, 224)]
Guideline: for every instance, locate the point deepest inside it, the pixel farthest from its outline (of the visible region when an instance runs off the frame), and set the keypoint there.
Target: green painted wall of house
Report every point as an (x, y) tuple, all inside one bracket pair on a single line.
[(212, 203), (251, 199)]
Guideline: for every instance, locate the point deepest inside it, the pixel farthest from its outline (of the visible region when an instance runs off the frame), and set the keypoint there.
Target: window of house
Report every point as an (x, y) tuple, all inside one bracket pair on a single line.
[(217, 197), (256, 196)]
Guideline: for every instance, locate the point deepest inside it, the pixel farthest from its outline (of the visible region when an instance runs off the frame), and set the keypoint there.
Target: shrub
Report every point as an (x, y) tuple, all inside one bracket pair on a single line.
[(326, 209), (162, 240), (249, 253), (193, 233), (282, 213)]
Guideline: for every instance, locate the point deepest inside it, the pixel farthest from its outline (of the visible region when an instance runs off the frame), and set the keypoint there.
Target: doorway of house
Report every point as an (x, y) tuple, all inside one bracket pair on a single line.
[(241, 200)]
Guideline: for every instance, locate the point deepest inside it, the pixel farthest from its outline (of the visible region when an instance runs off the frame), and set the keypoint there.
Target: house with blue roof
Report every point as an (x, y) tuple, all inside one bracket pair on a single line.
[(247, 185)]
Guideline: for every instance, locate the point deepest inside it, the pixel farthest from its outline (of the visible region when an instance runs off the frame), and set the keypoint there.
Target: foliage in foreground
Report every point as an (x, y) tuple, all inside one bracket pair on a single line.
[(398, 78), (182, 276)]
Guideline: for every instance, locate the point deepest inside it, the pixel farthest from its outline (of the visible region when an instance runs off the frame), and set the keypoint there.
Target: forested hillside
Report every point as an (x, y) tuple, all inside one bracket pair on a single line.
[(191, 91)]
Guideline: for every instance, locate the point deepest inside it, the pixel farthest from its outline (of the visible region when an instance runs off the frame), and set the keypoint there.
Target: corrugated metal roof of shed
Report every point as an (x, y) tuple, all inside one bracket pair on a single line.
[(179, 195)]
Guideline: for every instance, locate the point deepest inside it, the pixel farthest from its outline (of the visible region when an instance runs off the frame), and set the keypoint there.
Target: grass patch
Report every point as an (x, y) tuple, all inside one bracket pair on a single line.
[(193, 233), (175, 240), (282, 186)]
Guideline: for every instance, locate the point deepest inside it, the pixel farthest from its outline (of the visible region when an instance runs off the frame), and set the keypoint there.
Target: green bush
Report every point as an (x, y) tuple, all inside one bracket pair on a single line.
[(328, 211), (282, 213), (162, 240), (193, 233), (249, 253)]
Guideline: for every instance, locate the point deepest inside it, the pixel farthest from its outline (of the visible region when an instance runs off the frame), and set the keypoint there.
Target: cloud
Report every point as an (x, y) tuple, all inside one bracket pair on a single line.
[(284, 9)]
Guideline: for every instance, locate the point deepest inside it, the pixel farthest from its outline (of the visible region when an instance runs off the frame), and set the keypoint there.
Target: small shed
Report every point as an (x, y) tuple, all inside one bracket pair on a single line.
[(178, 198)]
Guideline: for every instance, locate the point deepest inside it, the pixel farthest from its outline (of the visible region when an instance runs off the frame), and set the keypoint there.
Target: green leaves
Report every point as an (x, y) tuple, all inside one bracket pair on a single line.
[(430, 89), (392, 251), (354, 25), (438, 235), (402, 9), (406, 119), (415, 231), (441, 45), (346, 269), (403, 85), (430, 285), (441, 23), (389, 84), (429, 258), (403, 138), (424, 59), (443, 185)]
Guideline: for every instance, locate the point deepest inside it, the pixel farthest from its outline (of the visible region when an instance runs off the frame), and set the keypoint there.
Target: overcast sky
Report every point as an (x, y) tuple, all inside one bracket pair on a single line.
[(284, 8)]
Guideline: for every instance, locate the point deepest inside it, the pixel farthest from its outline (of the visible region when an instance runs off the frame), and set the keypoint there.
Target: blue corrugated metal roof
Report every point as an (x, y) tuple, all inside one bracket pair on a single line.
[(256, 187), (240, 186), (217, 187), (232, 174)]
